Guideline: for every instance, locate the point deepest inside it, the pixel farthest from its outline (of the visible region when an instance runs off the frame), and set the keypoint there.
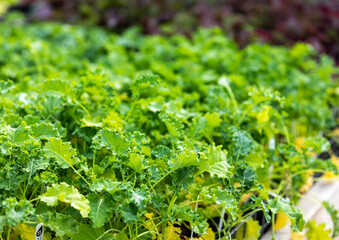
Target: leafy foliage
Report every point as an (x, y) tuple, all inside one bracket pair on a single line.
[(277, 22), (335, 218), (67, 194), (131, 137), (317, 231), (61, 152)]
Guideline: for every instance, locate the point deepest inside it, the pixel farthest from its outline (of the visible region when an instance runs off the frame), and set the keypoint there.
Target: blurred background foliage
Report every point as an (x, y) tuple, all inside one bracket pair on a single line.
[(5, 4), (282, 22)]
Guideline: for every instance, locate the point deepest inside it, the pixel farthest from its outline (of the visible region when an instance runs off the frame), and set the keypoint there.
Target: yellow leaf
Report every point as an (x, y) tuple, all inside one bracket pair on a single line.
[(4, 5), (47, 236), (149, 215), (27, 232), (150, 226), (264, 116), (210, 235), (329, 176), (172, 233), (282, 220), (239, 235), (297, 235), (245, 197), (317, 232), (189, 238), (309, 182), (299, 143), (252, 231)]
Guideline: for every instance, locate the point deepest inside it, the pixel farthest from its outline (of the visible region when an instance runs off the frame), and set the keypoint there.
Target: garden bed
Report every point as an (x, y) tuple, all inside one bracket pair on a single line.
[(107, 136)]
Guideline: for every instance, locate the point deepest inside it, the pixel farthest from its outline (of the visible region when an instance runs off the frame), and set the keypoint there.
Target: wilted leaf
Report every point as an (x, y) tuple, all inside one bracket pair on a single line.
[(172, 232)]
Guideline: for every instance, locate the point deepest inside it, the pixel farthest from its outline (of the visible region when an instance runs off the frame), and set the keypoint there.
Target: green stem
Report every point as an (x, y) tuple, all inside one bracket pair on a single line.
[(38, 66), (245, 113), (73, 169), (130, 232), (163, 230), (84, 146), (154, 226), (228, 223), (64, 208), (273, 223), (216, 226), (93, 166), (131, 175), (150, 185), (230, 92), (83, 107), (8, 234), (174, 198), (93, 159), (22, 192), (118, 220), (244, 210), (108, 231), (144, 233), (188, 203), (281, 186), (163, 177), (280, 168), (306, 170), (151, 220), (80, 175), (35, 199), (131, 109), (136, 229), (210, 141), (244, 218), (286, 133), (29, 178), (34, 190), (32, 223)]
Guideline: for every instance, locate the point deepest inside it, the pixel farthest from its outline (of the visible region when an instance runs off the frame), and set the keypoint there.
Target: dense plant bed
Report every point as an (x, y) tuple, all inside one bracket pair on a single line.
[(275, 22), (107, 136)]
